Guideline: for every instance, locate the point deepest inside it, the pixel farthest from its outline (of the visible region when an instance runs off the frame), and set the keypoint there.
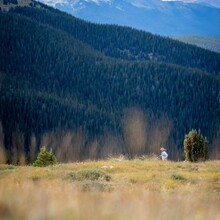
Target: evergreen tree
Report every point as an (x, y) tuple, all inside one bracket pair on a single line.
[(45, 158), (195, 147)]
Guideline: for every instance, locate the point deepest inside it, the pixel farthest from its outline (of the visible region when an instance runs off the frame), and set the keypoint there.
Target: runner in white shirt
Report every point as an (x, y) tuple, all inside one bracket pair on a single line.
[(164, 154)]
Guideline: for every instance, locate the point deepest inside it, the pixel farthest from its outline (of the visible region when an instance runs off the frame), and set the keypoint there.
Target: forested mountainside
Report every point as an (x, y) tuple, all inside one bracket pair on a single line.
[(55, 77), (207, 42), (125, 43)]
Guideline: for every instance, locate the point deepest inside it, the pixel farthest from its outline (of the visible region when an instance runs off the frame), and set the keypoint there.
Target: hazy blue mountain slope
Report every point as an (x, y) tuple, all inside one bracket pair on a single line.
[(207, 42)]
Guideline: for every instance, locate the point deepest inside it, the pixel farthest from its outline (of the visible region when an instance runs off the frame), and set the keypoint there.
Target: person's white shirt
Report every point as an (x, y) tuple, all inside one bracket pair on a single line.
[(164, 155)]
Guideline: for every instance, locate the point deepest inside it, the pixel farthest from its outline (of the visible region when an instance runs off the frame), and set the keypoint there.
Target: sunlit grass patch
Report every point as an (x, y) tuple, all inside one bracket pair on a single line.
[(7, 167), (40, 173), (170, 184), (191, 167), (153, 186), (214, 183), (140, 177)]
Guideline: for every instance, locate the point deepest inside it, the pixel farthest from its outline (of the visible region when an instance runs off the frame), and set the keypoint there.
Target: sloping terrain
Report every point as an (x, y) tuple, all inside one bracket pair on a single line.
[(207, 42), (126, 43)]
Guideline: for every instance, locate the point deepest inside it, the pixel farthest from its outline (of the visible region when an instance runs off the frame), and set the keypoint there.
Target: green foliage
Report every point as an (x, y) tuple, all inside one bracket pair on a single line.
[(177, 176), (45, 158), (195, 147), (89, 174)]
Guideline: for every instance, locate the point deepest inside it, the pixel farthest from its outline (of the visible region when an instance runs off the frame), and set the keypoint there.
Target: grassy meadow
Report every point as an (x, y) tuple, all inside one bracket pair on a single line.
[(112, 189)]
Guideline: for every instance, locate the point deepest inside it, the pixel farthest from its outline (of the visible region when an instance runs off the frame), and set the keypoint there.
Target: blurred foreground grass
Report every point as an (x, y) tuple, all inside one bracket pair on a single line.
[(112, 189)]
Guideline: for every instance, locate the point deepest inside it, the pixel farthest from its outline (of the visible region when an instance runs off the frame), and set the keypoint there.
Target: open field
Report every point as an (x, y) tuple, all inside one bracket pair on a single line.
[(112, 189)]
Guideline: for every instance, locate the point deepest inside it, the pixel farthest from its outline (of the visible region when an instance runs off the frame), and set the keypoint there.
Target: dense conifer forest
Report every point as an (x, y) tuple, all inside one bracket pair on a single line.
[(60, 74)]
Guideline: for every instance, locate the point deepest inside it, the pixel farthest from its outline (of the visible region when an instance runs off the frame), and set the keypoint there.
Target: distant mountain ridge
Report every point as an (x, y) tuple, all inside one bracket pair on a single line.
[(78, 4), (167, 18), (213, 3)]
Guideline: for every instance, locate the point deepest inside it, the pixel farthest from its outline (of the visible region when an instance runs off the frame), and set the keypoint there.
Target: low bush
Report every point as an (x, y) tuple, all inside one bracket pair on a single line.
[(96, 186), (89, 174), (177, 176)]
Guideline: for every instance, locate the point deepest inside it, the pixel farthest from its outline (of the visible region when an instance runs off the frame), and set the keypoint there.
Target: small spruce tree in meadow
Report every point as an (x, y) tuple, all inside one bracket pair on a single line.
[(195, 147), (45, 158)]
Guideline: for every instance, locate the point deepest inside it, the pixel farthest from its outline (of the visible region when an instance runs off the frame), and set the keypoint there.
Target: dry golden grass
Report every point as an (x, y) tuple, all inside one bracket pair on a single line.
[(138, 189)]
